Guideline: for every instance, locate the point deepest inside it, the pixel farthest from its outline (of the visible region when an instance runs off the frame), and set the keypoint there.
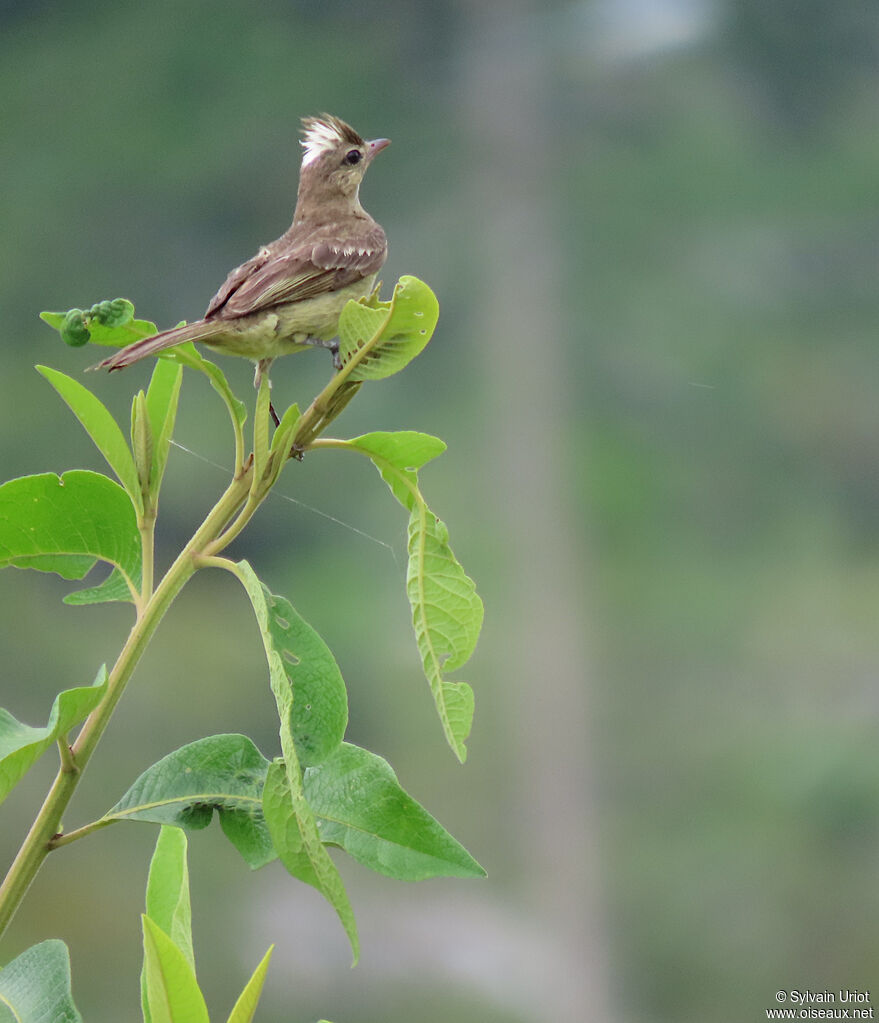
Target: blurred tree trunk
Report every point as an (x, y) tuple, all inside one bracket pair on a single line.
[(517, 149)]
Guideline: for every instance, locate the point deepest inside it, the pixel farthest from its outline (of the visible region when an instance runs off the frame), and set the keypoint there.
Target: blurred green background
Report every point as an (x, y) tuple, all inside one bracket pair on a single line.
[(652, 227)]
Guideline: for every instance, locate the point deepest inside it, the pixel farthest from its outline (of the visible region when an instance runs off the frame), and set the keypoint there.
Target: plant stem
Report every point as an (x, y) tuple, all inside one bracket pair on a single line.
[(86, 829), (47, 824), (224, 522), (147, 529)]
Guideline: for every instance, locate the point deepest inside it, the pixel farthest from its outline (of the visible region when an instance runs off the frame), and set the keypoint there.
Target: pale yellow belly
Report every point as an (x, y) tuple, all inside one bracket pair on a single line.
[(283, 329)]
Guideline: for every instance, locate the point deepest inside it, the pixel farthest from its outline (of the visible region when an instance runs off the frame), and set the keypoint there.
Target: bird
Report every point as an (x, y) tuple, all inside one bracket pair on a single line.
[(289, 296)]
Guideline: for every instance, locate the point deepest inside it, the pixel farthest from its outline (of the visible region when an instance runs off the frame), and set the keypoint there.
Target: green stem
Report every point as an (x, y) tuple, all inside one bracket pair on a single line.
[(86, 829), (147, 528), (44, 833)]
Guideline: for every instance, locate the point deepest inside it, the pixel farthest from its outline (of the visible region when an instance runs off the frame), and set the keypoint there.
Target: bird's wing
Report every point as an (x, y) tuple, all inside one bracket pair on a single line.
[(315, 264), (236, 278)]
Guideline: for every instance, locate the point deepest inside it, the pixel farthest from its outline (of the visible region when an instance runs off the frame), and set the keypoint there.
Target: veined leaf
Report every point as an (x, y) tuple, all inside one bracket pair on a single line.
[(21, 745), (300, 661), (114, 587), (381, 339), (221, 772), (287, 681), (35, 986), (101, 427), (296, 837), (361, 807), (446, 610), (447, 617), (277, 804), (173, 994), (66, 523), (245, 1007), (397, 456)]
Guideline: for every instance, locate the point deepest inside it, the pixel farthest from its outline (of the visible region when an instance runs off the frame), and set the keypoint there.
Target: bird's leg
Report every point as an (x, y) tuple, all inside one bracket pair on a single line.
[(262, 366), (332, 345)]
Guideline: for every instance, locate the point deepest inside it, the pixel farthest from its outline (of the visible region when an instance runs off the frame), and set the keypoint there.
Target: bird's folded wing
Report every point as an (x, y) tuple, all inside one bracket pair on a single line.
[(320, 263)]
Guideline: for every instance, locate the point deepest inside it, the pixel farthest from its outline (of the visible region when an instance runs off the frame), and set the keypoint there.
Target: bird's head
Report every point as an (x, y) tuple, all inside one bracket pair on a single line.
[(335, 159)]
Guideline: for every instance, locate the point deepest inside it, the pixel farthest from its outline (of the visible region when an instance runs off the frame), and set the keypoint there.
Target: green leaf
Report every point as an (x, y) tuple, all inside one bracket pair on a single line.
[(446, 609), (142, 446), (162, 399), (245, 1007), (106, 323), (295, 834), (283, 825), (21, 745), (321, 721), (188, 355), (360, 806), (65, 524), (278, 812), (101, 427), (35, 987), (397, 456), (381, 340), (282, 442), (301, 663), (114, 587), (167, 894), (221, 772), (167, 899), (173, 994), (261, 428), (447, 618)]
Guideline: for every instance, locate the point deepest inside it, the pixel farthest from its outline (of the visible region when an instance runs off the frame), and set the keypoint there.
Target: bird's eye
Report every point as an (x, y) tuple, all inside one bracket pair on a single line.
[(353, 156)]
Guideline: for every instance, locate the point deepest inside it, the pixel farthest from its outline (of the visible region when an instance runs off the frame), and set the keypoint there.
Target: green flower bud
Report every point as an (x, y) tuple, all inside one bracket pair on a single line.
[(74, 332), (112, 312)]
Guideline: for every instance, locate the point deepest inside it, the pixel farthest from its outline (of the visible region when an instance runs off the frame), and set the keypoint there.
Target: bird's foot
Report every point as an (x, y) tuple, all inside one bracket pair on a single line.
[(261, 368), (332, 346)]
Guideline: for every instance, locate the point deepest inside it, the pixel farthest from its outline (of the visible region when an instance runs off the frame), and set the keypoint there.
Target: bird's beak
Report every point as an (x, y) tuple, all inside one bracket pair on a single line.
[(376, 146)]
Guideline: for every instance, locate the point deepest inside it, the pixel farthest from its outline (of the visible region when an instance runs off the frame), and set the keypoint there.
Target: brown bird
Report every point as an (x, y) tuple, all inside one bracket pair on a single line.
[(291, 293)]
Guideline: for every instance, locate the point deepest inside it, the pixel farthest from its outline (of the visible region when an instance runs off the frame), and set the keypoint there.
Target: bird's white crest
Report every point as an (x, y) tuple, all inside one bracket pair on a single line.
[(320, 137)]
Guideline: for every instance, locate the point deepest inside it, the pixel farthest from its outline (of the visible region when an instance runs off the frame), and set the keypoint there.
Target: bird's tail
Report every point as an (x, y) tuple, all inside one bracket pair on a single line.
[(200, 330)]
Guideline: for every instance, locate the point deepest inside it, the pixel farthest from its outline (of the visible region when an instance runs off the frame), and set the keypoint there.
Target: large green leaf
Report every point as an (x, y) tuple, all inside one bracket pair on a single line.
[(447, 612), (221, 772), (35, 987), (21, 745), (319, 708), (66, 523), (172, 992), (282, 677), (381, 338), (361, 807), (101, 427)]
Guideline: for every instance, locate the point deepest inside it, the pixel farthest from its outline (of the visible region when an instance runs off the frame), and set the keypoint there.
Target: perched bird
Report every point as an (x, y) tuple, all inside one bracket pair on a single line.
[(290, 294)]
